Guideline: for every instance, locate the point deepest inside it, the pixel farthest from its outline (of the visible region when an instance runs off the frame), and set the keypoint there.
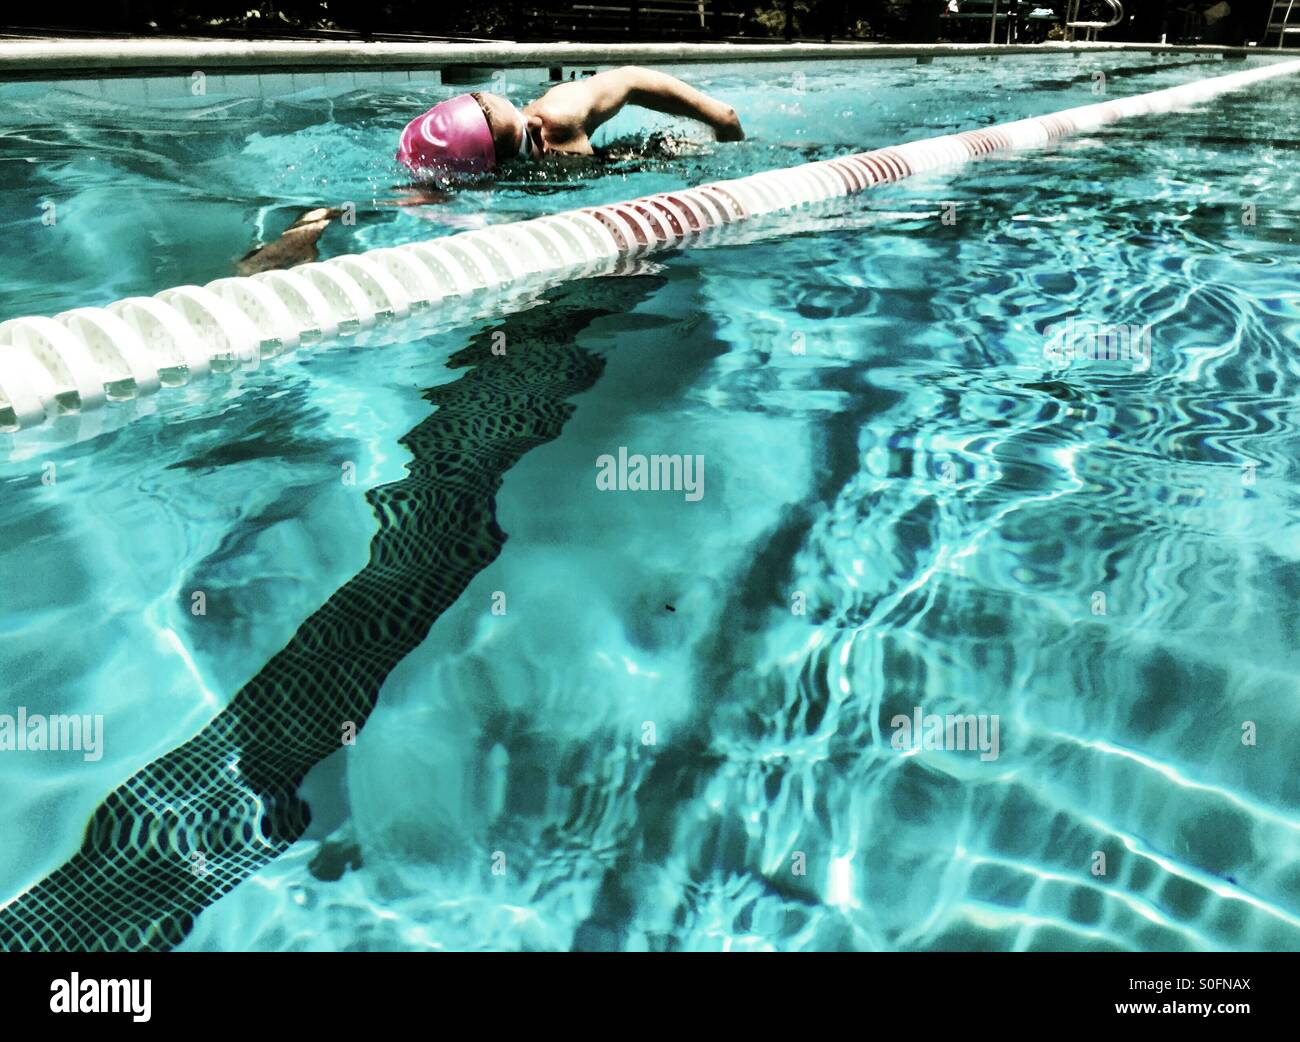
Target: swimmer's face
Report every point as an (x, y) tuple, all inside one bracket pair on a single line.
[(509, 127)]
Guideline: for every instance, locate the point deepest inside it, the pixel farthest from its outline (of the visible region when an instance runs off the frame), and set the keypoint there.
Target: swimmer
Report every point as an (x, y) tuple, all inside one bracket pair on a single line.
[(475, 134)]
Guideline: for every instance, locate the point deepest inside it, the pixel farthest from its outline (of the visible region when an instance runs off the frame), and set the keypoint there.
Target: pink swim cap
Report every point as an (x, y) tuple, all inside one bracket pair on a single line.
[(452, 136)]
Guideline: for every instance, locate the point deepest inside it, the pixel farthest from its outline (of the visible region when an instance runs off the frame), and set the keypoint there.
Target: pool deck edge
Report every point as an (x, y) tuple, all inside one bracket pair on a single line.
[(57, 59)]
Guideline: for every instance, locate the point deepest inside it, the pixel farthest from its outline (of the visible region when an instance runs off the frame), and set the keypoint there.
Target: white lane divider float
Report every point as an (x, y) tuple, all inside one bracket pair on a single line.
[(82, 359)]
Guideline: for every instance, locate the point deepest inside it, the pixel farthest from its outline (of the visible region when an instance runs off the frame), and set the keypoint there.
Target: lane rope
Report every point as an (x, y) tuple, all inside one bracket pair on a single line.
[(85, 359)]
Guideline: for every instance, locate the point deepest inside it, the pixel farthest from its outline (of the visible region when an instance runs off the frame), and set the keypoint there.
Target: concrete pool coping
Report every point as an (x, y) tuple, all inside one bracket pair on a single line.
[(98, 58)]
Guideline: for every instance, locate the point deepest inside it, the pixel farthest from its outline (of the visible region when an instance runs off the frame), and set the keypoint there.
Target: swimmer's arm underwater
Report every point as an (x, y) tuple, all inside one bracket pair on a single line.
[(296, 245)]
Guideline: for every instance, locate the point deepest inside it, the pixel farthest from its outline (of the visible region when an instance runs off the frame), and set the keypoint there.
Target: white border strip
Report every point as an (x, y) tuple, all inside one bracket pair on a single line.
[(71, 57)]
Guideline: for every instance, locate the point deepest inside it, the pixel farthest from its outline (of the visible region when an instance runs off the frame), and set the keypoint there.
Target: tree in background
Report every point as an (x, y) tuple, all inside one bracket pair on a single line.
[(905, 20)]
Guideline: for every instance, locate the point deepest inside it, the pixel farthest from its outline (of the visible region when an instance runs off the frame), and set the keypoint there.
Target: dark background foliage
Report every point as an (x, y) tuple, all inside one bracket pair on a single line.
[(915, 20)]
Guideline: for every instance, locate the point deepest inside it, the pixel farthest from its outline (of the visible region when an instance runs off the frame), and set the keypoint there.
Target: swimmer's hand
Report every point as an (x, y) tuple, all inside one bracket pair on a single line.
[(729, 128), (296, 246)]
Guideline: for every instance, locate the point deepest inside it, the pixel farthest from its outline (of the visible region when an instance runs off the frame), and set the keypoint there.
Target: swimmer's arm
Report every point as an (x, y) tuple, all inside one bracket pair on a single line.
[(296, 244), (664, 93)]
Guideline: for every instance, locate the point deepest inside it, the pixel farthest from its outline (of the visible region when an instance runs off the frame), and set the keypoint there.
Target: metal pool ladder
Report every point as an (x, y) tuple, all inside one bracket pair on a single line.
[(1283, 28), (1090, 29)]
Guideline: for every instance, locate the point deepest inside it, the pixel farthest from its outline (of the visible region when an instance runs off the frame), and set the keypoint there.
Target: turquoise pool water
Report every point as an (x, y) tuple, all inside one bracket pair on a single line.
[(657, 722)]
